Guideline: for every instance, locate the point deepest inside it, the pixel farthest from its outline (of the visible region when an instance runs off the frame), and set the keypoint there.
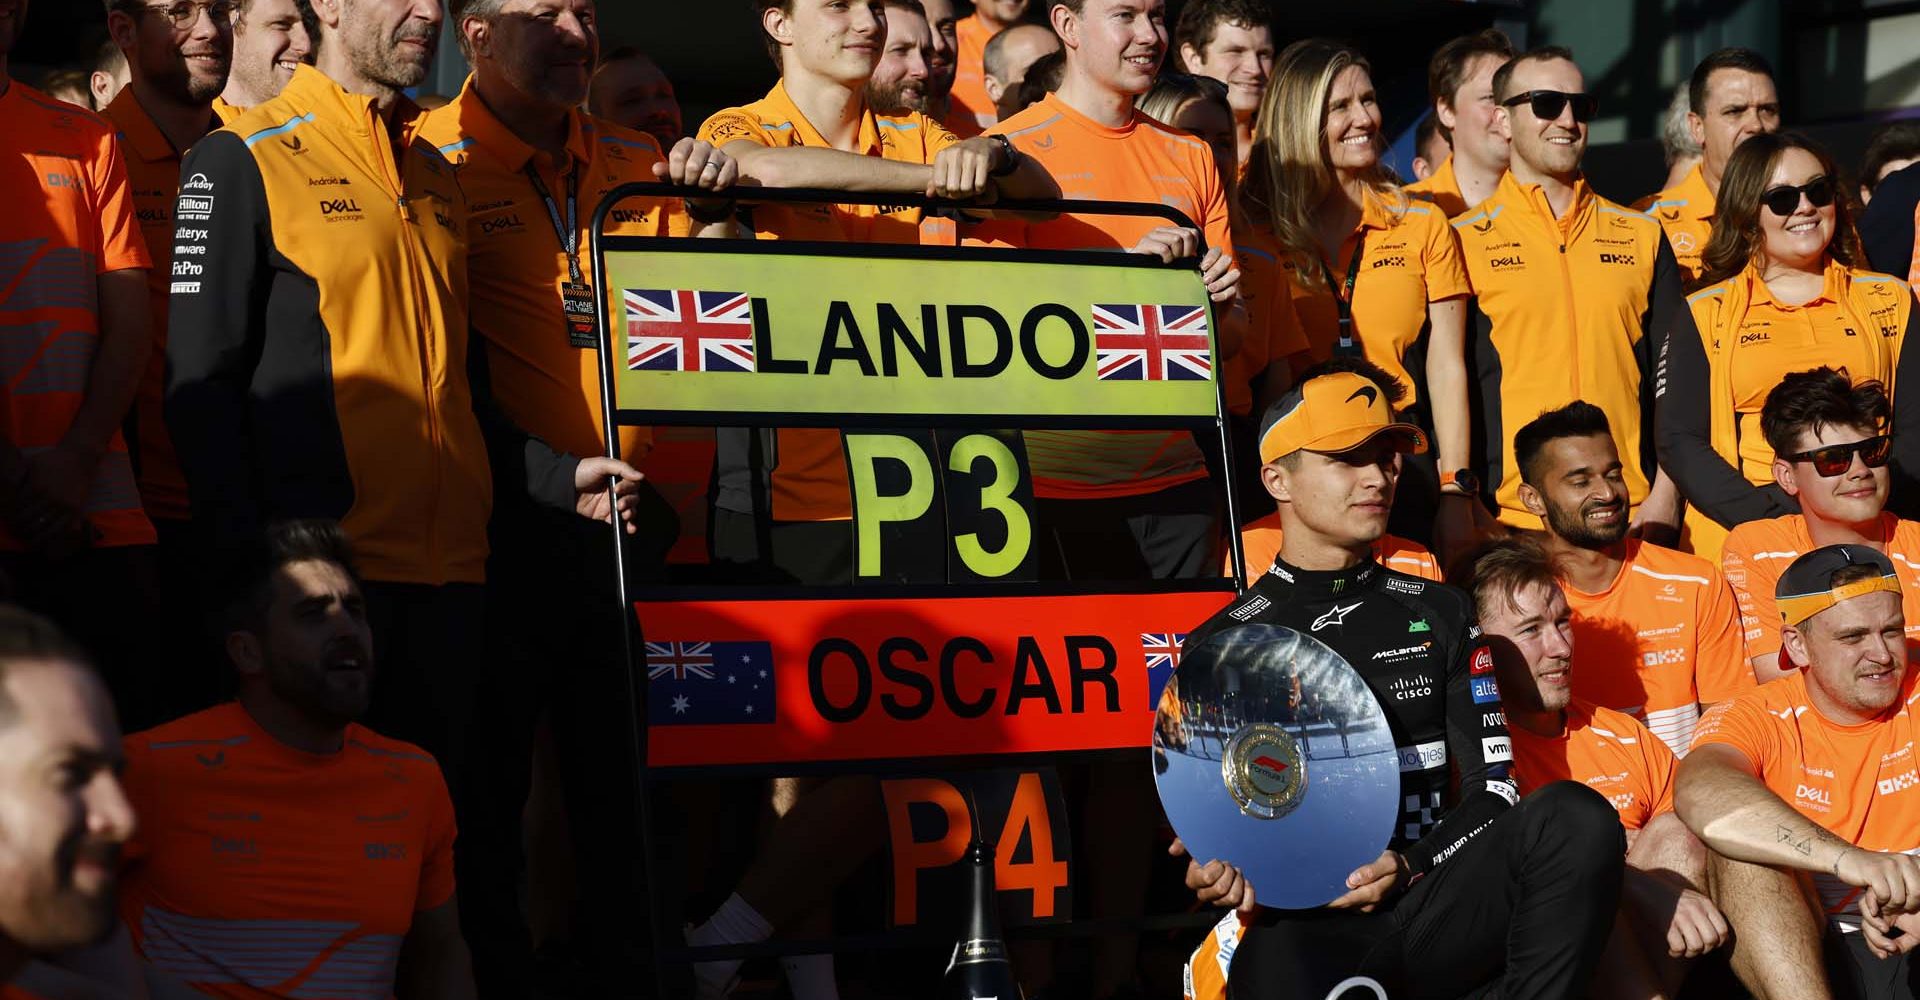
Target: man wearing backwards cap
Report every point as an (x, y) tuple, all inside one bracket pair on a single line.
[(1543, 878), (1806, 791)]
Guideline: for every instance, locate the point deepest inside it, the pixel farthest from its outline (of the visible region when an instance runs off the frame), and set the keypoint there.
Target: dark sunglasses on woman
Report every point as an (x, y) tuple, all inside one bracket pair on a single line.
[(1547, 104), (1782, 200), (1838, 458)]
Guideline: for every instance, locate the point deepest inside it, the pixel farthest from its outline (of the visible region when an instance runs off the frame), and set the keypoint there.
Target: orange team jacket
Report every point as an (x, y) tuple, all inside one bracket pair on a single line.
[(1659, 642), (972, 111), (1142, 161), (1273, 329), (72, 220), (517, 268), (1602, 749), (1727, 350), (1565, 309), (261, 871), (1757, 552), (1442, 188), (318, 363), (1260, 542), (1685, 211), (1858, 782), (809, 481), (153, 169), (1408, 258)]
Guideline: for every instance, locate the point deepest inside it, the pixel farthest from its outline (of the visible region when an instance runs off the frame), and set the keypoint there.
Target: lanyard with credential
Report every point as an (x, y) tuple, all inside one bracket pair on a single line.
[(1343, 299), (576, 296)]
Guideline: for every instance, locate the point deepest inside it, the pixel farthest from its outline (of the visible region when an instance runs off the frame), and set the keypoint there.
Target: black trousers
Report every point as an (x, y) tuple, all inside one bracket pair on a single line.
[(1526, 906), (1854, 973)]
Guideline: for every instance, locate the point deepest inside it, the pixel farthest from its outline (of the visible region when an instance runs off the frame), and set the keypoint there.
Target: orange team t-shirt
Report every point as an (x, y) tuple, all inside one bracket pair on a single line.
[(1858, 782), (810, 474), (1609, 752), (1143, 161), (1659, 642), (264, 871), (1273, 328), (153, 171), (1260, 542), (971, 111), (1409, 257), (1757, 552), (1442, 188), (63, 164), (518, 270)]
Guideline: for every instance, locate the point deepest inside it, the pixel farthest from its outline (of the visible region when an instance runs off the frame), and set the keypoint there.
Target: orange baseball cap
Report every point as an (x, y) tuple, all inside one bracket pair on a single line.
[(1333, 413)]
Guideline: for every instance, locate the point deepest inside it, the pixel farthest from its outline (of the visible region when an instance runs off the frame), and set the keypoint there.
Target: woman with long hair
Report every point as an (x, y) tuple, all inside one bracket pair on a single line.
[(1370, 271), (1784, 288)]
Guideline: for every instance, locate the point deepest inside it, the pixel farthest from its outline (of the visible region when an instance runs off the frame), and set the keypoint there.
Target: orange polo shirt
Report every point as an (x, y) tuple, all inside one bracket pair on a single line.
[(1260, 543), (65, 164), (972, 111), (1442, 188), (262, 871), (1408, 259), (810, 474), (1857, 782), (1757, 552), (517, 268), (1685, 211), (1140, 161), (1659, 642), (153, 171), (1609, 752), (1273, 328)]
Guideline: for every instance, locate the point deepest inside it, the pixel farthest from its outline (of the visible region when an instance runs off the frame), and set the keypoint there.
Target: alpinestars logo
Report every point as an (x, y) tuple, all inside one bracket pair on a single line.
[(1337, 616)]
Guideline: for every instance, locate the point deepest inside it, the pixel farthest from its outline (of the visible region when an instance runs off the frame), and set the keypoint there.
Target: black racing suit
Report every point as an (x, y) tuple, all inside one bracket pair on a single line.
[(1528, 890)]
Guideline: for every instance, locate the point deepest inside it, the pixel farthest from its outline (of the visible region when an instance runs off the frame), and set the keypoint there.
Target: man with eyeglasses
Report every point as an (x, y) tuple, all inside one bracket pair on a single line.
[(1831, 442), (179, 53), (1730, 98), (74, 541), (1570, 290), (270, 41)]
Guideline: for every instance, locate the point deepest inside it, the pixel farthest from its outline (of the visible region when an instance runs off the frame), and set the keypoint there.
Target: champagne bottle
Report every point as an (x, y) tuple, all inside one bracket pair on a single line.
[(980, 969)]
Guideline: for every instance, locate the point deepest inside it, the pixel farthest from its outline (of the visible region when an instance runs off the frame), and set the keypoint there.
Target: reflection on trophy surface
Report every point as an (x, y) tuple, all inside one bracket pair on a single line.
[(1271, 753)]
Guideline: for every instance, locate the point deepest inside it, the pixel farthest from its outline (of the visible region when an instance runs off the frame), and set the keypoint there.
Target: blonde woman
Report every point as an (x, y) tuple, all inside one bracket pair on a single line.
[(1370, 272)]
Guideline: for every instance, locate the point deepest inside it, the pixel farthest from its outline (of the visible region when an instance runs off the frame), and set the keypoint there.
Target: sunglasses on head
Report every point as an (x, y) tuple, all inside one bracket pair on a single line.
[(1782, 200), (1838, 458), (1547, 104)]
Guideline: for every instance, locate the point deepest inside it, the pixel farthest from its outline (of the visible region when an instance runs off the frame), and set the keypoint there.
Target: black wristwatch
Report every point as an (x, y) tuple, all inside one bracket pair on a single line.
[(1010, 158), (1463, 479)]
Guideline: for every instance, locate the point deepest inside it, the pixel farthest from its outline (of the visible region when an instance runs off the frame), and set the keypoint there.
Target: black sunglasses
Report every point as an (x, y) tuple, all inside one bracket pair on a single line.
[(1547, 104), (1836, 459), (1782, 200)]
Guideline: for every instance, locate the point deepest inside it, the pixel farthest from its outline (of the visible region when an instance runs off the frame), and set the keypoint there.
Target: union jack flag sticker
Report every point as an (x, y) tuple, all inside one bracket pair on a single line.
[(1148, 343), (678, 330), (1162, 651)]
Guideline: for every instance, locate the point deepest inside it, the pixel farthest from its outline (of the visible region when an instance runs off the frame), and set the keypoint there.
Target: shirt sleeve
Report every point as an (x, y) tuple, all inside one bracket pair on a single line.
[(1657, 768), (436, 866), (1481, 752), (1683, 428), (1446, 268), (938, 138), (734, 125), (1719, 648), (218, 328), (1741, 724), (1759, 614), (121, 246)]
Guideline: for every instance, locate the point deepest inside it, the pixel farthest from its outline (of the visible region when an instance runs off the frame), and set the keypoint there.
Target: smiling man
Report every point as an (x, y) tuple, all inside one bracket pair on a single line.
[(1730, 98), (1805, 791), (1232, 42), (1460, 85), (1658, 630), (270, 41), (902, 78)]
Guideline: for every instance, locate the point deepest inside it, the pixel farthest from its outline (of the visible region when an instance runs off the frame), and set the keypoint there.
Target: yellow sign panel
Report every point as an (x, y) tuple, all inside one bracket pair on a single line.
[(762, 331)]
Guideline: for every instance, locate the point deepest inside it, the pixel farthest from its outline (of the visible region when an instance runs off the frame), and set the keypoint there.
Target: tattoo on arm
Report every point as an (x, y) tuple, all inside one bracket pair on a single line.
[(1803, 846)]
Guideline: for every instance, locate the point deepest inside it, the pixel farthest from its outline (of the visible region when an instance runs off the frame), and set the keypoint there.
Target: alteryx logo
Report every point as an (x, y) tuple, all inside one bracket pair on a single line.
[(1485, 690)]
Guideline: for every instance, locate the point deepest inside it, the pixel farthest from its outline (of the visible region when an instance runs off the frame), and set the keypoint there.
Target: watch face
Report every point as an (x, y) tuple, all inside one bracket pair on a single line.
[(1467, 481)]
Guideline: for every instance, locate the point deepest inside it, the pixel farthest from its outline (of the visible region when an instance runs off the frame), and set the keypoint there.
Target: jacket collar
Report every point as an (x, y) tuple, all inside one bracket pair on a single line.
[(490, 134)]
